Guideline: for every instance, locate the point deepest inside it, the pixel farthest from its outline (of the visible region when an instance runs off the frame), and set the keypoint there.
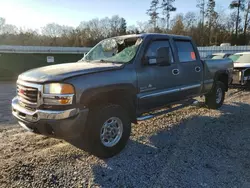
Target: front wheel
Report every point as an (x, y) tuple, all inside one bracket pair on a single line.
[(215, 99), (108, 130)]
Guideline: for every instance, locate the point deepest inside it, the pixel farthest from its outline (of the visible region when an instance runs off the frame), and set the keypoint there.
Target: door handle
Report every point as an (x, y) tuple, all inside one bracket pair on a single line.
[(175, 71), (197, 69)]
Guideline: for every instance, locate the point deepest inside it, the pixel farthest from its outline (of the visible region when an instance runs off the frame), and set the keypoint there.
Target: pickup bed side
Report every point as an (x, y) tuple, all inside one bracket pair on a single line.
[(217, 70)]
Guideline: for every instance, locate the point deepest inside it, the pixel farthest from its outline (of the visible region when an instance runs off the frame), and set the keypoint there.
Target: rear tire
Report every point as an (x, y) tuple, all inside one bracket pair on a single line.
[(215, 99), (107, 131)]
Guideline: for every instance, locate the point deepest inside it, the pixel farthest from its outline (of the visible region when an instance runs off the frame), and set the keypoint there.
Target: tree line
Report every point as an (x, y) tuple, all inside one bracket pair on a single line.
[(207, 26)]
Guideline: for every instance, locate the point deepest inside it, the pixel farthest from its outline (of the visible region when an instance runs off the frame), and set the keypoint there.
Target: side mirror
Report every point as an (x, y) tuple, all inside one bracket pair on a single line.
[(163, 56)]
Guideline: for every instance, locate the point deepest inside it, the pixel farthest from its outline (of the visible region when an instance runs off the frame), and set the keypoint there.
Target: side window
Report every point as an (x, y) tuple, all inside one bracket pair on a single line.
[(186, 51), (152, 49)]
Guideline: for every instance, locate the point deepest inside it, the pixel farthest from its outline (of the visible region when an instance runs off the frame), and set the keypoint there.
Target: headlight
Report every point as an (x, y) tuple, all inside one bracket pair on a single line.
[(58, 94), (57, 88)]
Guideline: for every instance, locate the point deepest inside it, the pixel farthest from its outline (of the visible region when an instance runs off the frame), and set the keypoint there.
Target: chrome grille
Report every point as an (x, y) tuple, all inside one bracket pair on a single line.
[(28, 96)]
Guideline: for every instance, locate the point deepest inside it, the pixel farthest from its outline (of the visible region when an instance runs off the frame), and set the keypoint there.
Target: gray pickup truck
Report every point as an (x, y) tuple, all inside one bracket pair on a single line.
[(120, 81)]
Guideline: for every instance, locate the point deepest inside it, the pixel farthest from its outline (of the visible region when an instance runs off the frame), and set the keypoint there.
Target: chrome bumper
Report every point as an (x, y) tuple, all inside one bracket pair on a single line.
[(240, 77), (33, 116)]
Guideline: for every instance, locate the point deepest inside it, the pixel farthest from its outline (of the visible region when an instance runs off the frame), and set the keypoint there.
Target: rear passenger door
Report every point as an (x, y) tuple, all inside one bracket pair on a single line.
[(190, 67)]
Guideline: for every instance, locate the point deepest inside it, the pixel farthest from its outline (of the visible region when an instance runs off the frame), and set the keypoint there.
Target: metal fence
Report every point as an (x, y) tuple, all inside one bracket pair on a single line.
[(205, 51)]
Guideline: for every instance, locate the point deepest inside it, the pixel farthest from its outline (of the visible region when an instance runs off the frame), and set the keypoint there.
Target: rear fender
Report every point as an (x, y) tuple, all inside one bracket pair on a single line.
[(222, 76)]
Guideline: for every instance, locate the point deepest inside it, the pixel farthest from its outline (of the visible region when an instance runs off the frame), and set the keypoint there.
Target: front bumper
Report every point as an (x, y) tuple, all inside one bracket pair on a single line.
[(65, 124)]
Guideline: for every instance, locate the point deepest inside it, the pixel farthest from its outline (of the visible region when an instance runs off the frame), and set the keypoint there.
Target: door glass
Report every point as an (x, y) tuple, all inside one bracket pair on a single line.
[(152, 49), (185, 51)]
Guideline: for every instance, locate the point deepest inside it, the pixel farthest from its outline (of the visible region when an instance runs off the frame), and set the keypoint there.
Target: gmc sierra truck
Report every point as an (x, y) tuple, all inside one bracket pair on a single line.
[(120, 81)]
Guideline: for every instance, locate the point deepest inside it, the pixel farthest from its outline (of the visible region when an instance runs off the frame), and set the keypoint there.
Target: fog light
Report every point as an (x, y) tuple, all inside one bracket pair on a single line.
[(58, 100), (65, 101)]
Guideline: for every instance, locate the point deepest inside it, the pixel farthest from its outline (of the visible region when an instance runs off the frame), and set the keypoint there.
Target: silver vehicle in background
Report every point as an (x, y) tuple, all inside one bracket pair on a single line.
[(241, 74), (218, 56)]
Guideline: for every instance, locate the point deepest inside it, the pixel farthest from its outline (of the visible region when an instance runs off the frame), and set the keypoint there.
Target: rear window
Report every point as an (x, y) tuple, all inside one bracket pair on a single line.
[(240, 58), (185, 51)]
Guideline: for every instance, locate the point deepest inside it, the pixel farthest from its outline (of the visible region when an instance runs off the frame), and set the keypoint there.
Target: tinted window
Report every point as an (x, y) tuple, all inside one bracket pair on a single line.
[(185, 51), (152, 49)]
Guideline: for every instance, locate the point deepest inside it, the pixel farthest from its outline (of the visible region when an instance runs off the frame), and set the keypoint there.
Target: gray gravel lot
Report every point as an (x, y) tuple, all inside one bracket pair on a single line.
[(7, 92), (192, 147)]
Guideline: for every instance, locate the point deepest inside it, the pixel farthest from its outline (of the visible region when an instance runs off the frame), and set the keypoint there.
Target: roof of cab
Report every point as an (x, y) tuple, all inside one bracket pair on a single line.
[(157, 35)]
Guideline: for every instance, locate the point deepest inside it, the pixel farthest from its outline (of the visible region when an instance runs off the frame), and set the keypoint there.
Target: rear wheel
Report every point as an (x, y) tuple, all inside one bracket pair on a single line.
[(215, 99), (108, 130)]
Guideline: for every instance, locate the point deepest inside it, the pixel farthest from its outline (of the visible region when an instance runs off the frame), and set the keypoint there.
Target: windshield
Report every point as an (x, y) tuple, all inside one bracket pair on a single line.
[(116, 50), (240, 58)]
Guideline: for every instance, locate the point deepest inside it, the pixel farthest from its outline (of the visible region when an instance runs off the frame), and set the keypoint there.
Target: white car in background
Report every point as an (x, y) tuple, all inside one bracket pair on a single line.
[(241, 68)]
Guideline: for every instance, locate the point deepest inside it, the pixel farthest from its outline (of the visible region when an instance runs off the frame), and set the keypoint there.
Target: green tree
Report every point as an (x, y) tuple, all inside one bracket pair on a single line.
[(178, 26), (167, 6), (240, 6), (2, 23), (153, 13), (211, 16), (123, 26), (201, 5), (246, 19)]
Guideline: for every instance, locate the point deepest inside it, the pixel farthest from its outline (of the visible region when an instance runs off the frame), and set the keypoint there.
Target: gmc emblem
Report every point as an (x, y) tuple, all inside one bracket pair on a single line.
[(21, 91)]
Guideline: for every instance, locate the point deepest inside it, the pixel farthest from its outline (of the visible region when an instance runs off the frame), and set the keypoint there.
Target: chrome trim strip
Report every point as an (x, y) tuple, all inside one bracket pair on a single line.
[(39, 88), (28, 84), (28, 88), (208, 81), (41, 114), (53, 96), (26, 102), (160, 93), (143, 118), (170, 91), (190, 87), (24, 126)]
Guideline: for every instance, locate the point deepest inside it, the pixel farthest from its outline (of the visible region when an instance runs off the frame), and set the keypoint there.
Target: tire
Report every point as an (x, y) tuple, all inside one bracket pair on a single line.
[(248, 85), (98, 118), (215, 99)]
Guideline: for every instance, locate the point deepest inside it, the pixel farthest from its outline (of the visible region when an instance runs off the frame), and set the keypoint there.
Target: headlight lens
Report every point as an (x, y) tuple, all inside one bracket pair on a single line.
[(57, 88), (58, 94)]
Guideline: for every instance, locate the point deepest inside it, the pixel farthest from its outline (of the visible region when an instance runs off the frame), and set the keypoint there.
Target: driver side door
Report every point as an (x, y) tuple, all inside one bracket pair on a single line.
[(158, 85)]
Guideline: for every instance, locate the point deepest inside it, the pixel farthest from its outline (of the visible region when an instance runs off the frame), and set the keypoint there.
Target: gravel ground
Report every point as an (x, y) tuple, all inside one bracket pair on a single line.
[(192, 147), (7, 92)]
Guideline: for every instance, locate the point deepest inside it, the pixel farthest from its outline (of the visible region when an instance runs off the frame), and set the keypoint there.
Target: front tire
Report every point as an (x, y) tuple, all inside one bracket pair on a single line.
[(215, 99), (108, 130)]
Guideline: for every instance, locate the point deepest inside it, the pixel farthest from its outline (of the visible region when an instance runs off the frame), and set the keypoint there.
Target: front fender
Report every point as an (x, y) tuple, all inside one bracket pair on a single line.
[(111, 90)]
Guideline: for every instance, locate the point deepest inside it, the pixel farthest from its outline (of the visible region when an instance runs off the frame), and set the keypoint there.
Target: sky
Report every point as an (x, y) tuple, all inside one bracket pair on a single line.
[(37, 13)]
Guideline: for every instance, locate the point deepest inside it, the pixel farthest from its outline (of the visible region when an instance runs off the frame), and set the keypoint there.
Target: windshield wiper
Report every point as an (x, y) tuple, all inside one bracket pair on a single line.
[(102, 60), (108, 61)]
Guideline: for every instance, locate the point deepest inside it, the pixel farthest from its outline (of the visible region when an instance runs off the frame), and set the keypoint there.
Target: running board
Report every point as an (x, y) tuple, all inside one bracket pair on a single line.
[(152, 115)]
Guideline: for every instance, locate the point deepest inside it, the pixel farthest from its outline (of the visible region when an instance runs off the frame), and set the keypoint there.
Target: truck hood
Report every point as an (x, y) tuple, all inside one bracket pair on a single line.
[(60, 72)]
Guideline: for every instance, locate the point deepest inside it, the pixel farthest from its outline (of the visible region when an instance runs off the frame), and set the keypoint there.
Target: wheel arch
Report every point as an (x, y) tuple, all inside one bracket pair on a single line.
[(223, 77), (123, 95)]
